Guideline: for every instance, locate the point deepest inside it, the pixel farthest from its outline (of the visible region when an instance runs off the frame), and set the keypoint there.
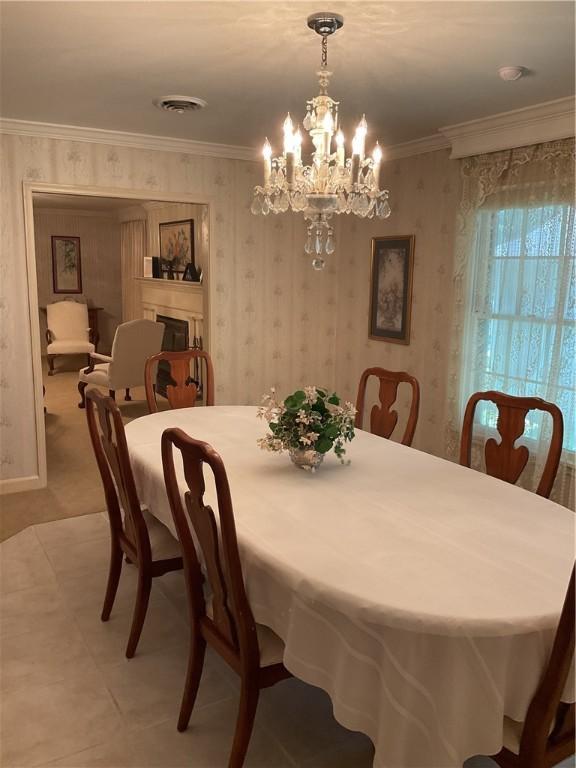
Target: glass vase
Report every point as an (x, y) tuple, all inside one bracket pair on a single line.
[(306, 459)]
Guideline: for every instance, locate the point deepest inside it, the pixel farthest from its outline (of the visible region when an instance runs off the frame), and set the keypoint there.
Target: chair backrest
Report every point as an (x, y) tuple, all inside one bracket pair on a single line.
[(68, 320), (184, 390), (383, 420), (133, 344), (109, 442), (231, 619), (503, 459), (549, 723)]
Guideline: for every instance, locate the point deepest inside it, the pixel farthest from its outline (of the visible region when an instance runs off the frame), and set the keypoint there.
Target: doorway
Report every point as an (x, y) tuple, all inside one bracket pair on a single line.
[(89, 223)]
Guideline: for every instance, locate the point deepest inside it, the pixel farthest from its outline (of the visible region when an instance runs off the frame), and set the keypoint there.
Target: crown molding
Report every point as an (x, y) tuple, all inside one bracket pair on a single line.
[(123, 139), (416, 147), (532, 125), (167, 143)]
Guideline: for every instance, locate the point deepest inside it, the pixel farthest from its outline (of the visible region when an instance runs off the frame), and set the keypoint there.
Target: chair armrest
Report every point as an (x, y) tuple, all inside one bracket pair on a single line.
[(49, 336), (94, 356)]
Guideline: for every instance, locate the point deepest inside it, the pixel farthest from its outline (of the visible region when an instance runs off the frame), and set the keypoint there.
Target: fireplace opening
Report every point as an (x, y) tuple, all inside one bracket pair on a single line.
[(176, 339)]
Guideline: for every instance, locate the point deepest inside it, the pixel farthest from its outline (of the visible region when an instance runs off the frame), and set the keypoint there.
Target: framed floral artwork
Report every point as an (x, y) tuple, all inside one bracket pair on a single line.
[(66, 265), (391, 288), (176, 245)]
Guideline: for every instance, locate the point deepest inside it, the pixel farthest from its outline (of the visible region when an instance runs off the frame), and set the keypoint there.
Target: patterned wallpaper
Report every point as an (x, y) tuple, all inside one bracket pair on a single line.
[(274, 319), (424, 195), (100, 264)]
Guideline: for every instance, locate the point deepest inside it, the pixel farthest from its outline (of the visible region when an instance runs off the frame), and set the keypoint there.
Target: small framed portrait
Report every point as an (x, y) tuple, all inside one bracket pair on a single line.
[(391, 288), (177, 244), (66, 266)]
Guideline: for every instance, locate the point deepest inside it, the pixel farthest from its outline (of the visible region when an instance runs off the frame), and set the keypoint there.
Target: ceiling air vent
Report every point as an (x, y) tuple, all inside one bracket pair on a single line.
[(180, 104)]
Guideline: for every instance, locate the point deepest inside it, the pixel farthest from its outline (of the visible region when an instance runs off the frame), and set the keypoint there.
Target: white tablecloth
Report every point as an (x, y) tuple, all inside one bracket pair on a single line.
[(421, 595)]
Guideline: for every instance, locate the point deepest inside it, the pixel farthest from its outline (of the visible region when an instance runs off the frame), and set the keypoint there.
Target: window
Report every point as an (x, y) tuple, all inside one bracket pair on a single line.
[(521, 337)]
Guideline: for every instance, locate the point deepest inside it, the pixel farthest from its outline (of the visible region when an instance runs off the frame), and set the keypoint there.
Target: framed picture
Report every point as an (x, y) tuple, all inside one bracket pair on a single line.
[(391, 288), (66, 268), (176, 245)]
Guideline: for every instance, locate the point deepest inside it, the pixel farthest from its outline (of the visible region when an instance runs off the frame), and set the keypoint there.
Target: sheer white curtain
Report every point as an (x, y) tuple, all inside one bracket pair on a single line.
[(133, 249), (515, 288)]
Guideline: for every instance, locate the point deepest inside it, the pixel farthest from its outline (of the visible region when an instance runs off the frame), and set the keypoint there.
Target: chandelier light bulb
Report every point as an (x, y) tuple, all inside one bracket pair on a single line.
[(340, 154), (267, 154), (328, 122), (297, 143), (376, 160), (288, 134), (360, 137)]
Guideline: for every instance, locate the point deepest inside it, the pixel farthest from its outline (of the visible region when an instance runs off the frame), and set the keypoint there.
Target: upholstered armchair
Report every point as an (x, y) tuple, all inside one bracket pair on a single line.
[(134, 342), (67, 332)]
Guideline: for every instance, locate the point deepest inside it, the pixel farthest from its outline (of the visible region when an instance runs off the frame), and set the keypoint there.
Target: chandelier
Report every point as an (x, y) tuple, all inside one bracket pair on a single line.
[(331, 184)]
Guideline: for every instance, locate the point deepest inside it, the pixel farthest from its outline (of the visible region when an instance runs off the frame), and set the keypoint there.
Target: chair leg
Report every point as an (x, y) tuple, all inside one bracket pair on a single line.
[(142, 597), (51, 370), (113, 579), (193, 675), (128, 396), (81, 387), (246, 712)]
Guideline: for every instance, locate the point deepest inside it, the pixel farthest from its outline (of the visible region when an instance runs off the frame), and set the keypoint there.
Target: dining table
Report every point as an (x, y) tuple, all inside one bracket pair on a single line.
[(421, 595)]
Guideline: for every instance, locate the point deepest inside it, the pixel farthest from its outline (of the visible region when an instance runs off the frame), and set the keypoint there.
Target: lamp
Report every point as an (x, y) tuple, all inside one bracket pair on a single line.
[(331, 184)]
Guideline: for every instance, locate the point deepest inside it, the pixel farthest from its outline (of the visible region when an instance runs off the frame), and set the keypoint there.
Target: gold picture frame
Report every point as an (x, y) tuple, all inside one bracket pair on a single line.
[(391, 275)]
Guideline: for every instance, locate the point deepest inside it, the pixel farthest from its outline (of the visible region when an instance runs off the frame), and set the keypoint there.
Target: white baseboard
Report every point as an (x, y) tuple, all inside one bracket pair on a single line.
[(19, 484)]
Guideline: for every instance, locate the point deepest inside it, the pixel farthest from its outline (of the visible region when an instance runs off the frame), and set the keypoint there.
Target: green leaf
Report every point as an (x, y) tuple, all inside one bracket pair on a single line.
[(323, 444), (332, 431), (295, 401), (334, 400)]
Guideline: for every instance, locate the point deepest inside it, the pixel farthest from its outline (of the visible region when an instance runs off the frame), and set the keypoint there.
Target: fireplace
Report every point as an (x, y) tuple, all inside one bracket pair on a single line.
[(176, 339)]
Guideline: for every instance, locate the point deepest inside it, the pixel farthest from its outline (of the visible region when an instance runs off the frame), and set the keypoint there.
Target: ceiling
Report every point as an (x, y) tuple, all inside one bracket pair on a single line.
[(413, 67)]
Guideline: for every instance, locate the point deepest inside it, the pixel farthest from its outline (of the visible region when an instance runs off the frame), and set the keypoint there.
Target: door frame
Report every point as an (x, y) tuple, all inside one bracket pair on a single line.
[(29, 188)]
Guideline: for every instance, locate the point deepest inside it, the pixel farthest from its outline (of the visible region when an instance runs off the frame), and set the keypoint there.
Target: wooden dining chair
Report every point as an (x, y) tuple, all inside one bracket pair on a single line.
[(503, 459), (383, 420), (547, 735), (224, 620), (134, 532), (183, 393)]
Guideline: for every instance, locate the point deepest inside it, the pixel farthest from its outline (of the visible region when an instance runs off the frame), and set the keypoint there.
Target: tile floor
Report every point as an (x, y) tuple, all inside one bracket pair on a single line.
[(71, 698)]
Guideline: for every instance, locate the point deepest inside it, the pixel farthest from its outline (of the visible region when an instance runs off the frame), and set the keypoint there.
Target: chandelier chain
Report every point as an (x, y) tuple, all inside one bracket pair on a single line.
[(324, 52)]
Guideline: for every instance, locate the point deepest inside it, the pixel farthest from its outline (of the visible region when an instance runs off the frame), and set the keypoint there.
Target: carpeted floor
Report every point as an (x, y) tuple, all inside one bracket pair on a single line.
[(74, 486)]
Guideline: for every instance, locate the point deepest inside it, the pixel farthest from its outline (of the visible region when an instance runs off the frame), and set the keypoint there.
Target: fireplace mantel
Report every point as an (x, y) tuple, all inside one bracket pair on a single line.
[(172, 285), (173, 298)]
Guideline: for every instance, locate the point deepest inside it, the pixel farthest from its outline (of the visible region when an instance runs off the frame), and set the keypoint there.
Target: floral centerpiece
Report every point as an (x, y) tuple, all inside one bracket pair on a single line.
[(309, 423)]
